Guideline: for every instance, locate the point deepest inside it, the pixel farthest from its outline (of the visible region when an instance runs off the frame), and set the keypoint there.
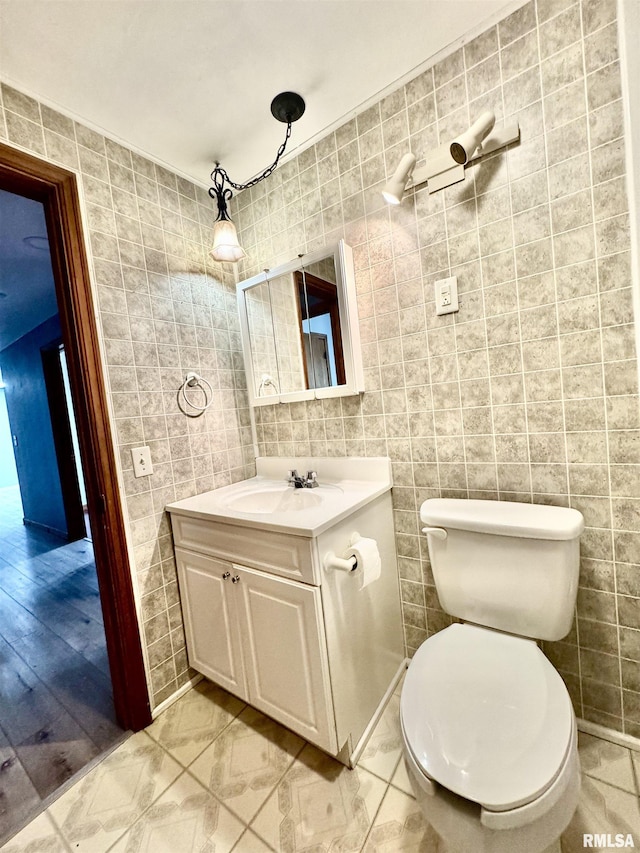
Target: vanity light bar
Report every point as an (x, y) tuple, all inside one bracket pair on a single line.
[(439, 172)]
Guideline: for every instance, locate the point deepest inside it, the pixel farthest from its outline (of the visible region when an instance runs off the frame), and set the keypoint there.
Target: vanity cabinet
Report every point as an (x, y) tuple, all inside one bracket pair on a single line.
[(269, 616), (262, 638)]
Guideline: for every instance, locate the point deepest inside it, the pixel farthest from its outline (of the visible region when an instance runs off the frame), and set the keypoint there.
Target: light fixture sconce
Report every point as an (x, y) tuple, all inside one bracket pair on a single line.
[(395, 187), (446, 165), (464, 147), (286, 107)]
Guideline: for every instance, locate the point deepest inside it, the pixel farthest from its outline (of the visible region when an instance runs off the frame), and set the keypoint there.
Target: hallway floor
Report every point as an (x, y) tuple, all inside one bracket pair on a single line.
[(212, 774), (56, 707)]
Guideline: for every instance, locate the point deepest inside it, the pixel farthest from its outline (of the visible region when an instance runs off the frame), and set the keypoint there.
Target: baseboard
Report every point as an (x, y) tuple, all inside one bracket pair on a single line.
[(62, 534), (609, 734), (175, 696), (366, 734)]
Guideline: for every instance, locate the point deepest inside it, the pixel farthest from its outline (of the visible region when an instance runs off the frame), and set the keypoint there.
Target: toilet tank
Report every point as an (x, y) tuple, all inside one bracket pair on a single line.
[(505, 565)]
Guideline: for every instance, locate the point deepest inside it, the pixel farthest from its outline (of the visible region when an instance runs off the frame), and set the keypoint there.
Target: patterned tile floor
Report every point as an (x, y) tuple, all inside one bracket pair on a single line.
[(213, 775)]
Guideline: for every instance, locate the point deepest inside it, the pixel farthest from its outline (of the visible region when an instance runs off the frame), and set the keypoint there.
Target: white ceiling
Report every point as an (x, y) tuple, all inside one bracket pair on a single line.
[(189, 82)]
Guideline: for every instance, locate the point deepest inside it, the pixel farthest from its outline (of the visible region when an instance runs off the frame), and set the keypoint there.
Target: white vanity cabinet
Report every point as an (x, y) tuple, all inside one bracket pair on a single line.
[(270, 618), (262, 638)]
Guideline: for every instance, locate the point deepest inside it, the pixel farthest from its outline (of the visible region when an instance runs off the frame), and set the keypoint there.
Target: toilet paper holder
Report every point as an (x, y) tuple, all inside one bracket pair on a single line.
[(350, 564), (333, 562), (361, 560)]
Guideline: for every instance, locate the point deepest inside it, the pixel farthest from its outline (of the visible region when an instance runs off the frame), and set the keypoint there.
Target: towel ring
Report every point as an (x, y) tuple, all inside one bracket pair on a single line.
[(267, 382), (193, 380)]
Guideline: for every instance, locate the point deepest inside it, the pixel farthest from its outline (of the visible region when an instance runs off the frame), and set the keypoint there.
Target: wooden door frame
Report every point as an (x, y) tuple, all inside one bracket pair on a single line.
[(56, 187)]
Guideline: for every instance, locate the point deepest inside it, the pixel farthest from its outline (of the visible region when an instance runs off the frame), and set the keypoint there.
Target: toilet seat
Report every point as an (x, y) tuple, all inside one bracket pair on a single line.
[(487, 716)]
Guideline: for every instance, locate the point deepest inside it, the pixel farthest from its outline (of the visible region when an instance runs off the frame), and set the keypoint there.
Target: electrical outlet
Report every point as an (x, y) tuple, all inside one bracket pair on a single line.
[(141, 457), (446, 290)]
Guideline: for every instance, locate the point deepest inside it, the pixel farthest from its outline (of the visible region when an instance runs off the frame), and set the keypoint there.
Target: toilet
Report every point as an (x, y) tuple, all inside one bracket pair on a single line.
[(489, 733)]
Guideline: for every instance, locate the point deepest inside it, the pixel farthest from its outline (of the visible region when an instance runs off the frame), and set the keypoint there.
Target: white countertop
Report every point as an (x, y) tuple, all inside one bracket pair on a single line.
[(345, 486)]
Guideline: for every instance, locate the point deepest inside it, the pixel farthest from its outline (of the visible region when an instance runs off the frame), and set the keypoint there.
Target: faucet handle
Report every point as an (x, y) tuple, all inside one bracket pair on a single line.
[(291, 475), (312, 478)]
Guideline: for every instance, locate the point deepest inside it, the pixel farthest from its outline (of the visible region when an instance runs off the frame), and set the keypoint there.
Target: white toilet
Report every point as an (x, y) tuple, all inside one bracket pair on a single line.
[(489, 732)]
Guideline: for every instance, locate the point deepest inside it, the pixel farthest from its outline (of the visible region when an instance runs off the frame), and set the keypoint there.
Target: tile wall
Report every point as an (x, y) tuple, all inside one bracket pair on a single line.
[(164, 309), (530, 392)]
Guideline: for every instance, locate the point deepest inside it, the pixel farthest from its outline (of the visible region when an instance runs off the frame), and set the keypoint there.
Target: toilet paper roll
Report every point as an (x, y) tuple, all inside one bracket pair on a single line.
[(369, 563)]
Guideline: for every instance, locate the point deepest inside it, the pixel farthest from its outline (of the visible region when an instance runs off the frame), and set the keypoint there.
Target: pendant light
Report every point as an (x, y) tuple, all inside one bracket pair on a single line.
[(285, 107)]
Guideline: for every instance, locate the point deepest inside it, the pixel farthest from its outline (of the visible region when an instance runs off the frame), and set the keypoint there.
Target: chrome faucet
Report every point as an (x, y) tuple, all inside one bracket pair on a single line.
[(300, 482)]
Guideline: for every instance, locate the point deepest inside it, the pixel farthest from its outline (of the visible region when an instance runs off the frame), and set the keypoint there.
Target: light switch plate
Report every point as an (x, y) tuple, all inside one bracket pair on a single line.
[(142, 465)]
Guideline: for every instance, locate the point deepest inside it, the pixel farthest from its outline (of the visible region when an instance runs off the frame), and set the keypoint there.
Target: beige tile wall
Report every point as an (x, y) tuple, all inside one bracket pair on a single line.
[(164, 309), (530, 391)]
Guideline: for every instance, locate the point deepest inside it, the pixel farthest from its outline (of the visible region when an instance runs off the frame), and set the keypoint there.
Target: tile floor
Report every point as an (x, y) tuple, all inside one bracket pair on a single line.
[(212, 774)]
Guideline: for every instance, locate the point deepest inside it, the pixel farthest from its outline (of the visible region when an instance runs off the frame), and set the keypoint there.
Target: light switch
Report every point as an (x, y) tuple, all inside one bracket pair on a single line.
[(142, 466), (447, 295)]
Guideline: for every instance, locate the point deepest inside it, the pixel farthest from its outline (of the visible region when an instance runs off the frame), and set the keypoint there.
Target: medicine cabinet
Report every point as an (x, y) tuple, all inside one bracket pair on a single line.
[(299, 325)]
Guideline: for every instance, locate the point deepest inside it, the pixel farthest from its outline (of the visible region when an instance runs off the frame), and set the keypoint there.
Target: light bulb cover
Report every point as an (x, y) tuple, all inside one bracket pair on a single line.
[(226, 247), (393, 190), (464, 147)]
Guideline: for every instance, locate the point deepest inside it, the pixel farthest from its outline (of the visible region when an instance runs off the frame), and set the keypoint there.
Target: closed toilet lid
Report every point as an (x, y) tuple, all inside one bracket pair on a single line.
[(486, 715)]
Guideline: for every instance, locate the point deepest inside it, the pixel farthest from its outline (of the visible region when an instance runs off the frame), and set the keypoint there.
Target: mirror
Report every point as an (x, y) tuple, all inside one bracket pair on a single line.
[(300, 331)]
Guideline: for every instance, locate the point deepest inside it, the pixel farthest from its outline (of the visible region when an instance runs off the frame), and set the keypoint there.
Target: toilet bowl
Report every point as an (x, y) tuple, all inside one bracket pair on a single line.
[(489, 732)]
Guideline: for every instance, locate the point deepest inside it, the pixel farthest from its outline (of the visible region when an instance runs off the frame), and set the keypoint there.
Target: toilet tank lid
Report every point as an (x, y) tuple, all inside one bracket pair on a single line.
[(503, 518)]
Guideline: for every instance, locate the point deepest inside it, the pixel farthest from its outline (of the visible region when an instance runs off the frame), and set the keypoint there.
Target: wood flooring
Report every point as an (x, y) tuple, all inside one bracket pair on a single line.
[(56, 706)]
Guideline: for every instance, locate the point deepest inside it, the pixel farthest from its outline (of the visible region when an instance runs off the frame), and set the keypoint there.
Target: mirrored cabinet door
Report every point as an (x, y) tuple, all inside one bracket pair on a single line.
[(262, 354), (286, 328), (300, 330)]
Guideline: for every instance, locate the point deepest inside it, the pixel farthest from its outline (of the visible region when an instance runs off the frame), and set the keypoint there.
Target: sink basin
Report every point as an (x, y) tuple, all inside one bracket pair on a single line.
[(268, 500)]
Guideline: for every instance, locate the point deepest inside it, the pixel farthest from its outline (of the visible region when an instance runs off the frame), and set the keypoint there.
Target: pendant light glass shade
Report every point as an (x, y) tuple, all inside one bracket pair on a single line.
[(225, 242)]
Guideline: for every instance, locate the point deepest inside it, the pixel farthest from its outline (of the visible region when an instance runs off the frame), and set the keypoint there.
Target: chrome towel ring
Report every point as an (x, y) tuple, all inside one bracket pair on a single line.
[(193, 380)]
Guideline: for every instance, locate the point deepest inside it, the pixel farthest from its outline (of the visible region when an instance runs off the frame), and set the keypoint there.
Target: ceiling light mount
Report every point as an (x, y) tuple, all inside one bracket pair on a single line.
[(286, 107)]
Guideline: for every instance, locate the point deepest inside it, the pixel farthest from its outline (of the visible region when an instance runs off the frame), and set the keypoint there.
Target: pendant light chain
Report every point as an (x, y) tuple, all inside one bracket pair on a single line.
[(222, 172)]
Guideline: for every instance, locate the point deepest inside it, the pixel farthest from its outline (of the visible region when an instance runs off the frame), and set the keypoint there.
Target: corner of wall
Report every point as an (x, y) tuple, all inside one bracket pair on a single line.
[(629, 35)]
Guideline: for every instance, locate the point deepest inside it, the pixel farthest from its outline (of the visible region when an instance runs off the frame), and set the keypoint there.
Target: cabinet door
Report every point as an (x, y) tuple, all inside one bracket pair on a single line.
[(209, 605), (285, 654)]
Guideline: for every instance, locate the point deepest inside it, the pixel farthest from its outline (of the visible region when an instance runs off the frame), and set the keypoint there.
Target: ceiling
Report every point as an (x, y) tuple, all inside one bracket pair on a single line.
[(189, 82)]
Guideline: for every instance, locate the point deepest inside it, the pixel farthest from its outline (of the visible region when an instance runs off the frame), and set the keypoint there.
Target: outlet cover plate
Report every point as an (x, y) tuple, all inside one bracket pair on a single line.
[(446, 292)]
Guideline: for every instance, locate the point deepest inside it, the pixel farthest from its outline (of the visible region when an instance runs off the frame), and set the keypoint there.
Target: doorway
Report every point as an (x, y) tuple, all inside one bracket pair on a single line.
[(75, 349)]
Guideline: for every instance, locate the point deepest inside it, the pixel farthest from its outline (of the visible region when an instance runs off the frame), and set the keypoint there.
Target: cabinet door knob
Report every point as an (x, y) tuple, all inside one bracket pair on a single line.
[(226, 576), (235, 579)]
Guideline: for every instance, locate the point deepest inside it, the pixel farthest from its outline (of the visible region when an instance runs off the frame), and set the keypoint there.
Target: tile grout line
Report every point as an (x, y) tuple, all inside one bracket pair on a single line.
[(253, 819), (152, 803), (268, 797)]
